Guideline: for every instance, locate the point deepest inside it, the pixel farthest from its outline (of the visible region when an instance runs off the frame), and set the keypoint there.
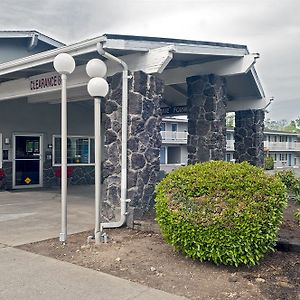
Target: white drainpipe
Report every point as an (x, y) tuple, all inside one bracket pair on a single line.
[(123, 199)]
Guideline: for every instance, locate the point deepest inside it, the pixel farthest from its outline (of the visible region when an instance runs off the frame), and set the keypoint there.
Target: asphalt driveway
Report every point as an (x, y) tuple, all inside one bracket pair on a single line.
[(34, 215)]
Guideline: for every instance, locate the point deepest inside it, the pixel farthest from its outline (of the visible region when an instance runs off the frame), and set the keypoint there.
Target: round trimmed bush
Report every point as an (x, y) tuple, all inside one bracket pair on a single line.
[(221, 212)]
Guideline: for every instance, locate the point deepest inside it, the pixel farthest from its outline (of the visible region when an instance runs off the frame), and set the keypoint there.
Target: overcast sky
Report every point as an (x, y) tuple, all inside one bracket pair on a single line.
[(270, 27)]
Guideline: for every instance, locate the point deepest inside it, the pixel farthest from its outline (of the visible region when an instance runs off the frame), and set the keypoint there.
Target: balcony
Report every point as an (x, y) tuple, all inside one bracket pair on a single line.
[(174, 137), (178, 137), (281, 146), (229, 145)]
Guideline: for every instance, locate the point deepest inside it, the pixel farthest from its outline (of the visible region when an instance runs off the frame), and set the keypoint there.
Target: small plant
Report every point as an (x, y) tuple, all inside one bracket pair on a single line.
[(221, 212), (297, 216), (292, 183), (269, 163)]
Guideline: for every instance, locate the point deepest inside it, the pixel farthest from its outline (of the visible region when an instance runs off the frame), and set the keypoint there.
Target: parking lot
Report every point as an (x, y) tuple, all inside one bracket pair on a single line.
[(34, 215)]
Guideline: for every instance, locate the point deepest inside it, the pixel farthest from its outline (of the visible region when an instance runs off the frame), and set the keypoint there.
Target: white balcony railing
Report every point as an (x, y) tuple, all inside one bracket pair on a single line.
[(281, 146), (174, 137), (230, 145), (178, 137)]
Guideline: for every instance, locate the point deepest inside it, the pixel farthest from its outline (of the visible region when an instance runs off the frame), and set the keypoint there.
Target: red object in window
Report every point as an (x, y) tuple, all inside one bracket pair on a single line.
[(2, 173), (57, 172)]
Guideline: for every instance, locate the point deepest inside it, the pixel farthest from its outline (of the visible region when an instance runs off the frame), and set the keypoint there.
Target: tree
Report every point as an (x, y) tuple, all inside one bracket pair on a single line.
[(283, 125), (230, 120)]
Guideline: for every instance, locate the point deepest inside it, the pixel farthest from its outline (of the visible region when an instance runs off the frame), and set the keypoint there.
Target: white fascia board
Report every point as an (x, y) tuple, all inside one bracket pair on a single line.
[(153, 61), (16, 34), (225, 67), (246, 104), (48, 56), (22, 88), (30, 34), (173, 120), (257, 82), (181, 48)]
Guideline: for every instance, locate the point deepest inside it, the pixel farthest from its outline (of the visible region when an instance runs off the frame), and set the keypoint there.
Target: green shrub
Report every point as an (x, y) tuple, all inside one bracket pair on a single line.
[(297, 216), (221, 212), (291, 181), (269, 163)]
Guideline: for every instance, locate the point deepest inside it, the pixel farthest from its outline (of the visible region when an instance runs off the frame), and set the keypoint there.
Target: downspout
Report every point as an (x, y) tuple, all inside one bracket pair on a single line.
[(123, 200), (33, 42)]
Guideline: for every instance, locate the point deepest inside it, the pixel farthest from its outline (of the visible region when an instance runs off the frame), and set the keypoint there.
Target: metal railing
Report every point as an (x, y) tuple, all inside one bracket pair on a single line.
[(281, 146), (174, 136), (180, 137)]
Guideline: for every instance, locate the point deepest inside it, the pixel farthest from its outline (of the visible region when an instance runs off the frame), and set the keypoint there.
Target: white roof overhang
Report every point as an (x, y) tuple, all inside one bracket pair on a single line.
[(174, 60)]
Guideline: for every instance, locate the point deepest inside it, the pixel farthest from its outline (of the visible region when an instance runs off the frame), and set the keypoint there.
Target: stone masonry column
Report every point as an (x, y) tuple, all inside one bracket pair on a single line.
[(206, 107), (249, 136), (144, 140)]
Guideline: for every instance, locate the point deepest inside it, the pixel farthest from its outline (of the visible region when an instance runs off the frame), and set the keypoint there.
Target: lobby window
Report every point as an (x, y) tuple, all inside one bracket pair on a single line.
[(80, 150)]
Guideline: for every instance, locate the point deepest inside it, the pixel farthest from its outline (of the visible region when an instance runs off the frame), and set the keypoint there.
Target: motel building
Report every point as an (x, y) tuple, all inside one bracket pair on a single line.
[(202, 80), (283, 147)]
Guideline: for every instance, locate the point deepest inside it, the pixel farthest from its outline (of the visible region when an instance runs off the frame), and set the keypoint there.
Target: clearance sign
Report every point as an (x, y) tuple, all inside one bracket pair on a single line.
[(45, 82)]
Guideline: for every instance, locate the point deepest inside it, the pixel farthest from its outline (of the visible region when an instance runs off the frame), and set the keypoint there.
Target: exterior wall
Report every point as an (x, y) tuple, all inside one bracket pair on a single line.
[(274, 145), (249, 136), (206, 107), (144, 121), (18, 116)]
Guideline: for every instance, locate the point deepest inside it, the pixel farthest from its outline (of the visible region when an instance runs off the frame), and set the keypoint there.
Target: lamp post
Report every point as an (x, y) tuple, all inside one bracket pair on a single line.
[(97, 88), (64, 64)]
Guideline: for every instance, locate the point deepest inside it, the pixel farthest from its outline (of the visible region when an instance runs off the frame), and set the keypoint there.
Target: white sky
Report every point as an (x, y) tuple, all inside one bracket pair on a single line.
[(270, 27)]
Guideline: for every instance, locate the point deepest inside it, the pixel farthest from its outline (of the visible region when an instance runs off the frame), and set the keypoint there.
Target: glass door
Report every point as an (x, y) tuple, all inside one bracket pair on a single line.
[(27, 163), (1, 151)]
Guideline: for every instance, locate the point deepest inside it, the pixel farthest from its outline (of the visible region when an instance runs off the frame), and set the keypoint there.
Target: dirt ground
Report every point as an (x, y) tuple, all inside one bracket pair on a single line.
[(145, 258)]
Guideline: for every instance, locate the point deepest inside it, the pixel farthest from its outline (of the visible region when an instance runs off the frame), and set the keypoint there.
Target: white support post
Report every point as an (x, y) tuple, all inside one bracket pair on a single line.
[(97, 122), (63, 234)]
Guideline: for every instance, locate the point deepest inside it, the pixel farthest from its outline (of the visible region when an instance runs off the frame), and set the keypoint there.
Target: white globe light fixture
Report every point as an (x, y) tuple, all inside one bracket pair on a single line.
[(97, 88), (64, 64), (96, 68)]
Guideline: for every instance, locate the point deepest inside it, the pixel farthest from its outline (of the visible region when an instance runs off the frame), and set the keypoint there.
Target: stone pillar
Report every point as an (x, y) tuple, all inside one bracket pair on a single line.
[(144, 140), (249, 136), (206, 107)]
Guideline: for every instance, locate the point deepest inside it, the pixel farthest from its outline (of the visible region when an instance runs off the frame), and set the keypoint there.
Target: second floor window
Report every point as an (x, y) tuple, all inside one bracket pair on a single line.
[(174, 127)]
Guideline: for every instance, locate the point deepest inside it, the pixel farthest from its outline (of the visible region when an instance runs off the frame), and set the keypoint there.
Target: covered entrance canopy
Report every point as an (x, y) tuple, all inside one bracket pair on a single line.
[(175, 60), (208, 78)]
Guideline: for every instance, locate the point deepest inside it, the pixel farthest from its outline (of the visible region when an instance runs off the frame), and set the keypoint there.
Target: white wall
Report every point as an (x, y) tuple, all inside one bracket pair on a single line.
[(17, 116)]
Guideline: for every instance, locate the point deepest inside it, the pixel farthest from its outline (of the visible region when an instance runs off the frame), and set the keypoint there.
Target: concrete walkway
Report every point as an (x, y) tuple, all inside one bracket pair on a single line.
[(34, 215), (29, 216), (29, 276)]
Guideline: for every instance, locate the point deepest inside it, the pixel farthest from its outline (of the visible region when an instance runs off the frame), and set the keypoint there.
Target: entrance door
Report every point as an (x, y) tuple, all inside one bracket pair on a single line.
[(27, 161)]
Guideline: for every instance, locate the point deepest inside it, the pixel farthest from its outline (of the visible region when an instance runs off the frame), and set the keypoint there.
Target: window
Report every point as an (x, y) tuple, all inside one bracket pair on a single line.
[(283, 138), (162, 155), (283, 156), (163, 126), (80, 150), (228, 157), (174, 127)]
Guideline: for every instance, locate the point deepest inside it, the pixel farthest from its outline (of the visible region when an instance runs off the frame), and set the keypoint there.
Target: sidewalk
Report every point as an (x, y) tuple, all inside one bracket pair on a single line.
[(29, 276)]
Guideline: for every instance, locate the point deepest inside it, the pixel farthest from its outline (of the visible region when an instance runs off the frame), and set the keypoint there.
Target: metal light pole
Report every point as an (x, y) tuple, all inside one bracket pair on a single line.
[(64, 64), (97, 88)]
